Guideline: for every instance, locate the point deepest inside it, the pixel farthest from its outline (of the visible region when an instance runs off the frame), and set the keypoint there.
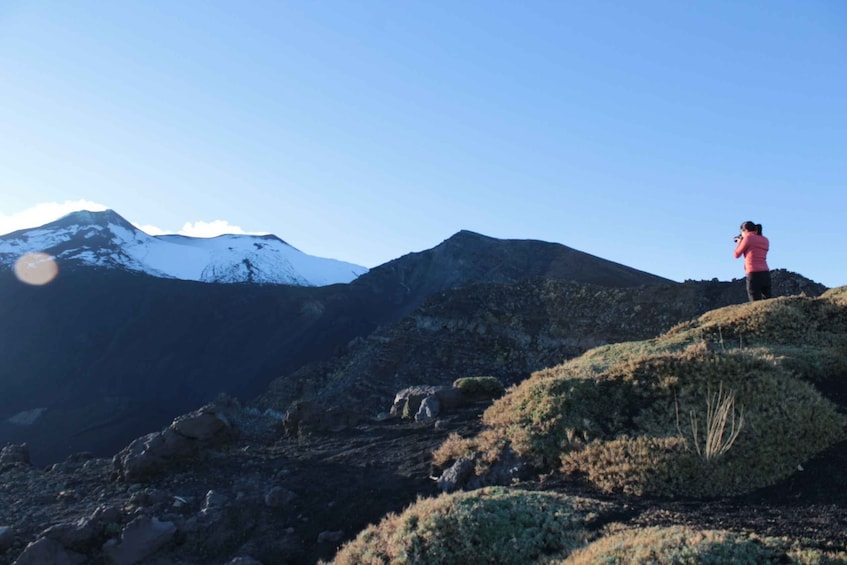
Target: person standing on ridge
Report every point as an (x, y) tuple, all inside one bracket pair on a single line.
[(754, 247)]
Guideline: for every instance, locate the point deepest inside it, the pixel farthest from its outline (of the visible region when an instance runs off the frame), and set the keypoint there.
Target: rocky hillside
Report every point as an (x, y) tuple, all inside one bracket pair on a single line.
[(506, 331), (225, 485)]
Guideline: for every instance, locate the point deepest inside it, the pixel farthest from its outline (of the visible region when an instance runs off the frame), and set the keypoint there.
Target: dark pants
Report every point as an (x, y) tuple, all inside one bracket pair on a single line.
[(759, 285)]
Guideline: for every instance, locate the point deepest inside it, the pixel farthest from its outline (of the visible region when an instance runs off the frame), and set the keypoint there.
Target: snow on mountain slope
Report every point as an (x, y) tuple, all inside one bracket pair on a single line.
[(105, 239)]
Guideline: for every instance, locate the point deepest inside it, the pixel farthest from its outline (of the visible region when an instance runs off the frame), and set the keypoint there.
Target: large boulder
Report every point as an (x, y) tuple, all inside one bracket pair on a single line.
[(304, 417), (408, 401), (14, 454), (45, 550), (140, 538), (185, 438)]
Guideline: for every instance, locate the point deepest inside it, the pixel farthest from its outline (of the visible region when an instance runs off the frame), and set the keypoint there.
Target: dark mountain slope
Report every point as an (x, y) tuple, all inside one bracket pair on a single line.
[(112, 354), (468, 257)]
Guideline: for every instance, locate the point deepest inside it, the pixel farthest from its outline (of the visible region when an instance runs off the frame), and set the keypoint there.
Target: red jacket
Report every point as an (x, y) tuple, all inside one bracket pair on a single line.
[(754, 247)]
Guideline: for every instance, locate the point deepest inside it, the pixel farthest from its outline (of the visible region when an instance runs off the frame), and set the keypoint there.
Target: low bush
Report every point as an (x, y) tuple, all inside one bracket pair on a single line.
[(488, 387), (685, 546), (490, 525)]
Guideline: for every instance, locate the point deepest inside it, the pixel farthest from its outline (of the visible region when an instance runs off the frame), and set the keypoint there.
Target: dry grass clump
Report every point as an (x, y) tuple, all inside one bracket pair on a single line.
[(683, 546), (836, 295), (491, 525), (485, 449)]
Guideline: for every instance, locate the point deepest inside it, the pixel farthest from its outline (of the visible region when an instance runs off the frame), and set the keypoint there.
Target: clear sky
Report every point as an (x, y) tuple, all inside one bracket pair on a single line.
[(640, 132)]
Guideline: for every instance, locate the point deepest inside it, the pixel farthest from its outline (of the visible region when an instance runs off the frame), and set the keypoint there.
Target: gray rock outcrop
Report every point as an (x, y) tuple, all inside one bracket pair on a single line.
[(185, 438), (408, 401)]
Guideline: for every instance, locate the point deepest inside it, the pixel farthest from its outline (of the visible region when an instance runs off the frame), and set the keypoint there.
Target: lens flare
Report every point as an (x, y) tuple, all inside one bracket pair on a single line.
[(36, 268)]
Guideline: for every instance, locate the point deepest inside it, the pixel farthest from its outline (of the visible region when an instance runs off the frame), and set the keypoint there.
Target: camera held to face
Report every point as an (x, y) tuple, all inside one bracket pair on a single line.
[(737, 238)]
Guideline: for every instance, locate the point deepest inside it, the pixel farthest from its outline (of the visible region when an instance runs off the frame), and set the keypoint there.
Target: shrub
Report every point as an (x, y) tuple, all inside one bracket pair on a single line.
[(490, 525), (836, 295), (629, 412), (488, 387), (683, 546), (637, 466), (806, 335)]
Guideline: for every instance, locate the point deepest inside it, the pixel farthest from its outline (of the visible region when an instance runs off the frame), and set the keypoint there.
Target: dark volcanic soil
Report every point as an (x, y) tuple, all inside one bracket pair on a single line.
[(341, 482)]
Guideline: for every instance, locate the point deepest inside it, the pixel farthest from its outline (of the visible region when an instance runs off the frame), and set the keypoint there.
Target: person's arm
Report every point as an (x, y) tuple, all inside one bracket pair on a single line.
[(741, 248)]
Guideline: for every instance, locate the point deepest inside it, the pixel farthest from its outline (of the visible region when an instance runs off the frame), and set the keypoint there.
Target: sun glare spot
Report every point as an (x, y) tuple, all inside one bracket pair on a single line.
[(36, 268)]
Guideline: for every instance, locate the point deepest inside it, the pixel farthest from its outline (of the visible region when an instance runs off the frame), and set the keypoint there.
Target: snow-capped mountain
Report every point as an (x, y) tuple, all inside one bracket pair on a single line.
[(105, 239)]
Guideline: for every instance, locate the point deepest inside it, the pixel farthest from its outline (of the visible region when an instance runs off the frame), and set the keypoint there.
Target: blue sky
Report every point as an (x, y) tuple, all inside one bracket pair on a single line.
[(641, 132)]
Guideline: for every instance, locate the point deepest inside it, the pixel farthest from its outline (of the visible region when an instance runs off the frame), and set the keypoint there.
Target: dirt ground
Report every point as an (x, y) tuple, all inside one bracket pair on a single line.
[(346, 480), (381, 468)]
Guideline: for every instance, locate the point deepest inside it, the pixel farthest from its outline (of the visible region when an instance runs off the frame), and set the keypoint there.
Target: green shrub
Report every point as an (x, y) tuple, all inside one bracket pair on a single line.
[(638, 411), (488, 387), (683, 546), (808, 336), (637, 466), (491, 525)]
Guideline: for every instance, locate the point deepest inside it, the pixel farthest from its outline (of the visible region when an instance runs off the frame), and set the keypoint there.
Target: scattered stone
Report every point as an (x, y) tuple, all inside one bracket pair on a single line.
[(44, 551), (508, 468), (105, 514), (307, 417), (408, 401), (15, 453), (214, 500), (202, 425), (278, 497), (457, 475), (78, 535), (140, 539), (330, 536), (7, 538), (186, 437), (147, 497), (243, 561), (68, 495), (429, 409)]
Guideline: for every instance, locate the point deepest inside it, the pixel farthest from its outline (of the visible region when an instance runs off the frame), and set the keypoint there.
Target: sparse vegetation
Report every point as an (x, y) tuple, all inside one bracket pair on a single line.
[(686, 546), (489, 387), (611, 414), (491, 525)]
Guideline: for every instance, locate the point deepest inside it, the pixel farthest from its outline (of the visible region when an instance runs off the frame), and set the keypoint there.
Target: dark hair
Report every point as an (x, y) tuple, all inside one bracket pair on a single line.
[(750, 226)]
